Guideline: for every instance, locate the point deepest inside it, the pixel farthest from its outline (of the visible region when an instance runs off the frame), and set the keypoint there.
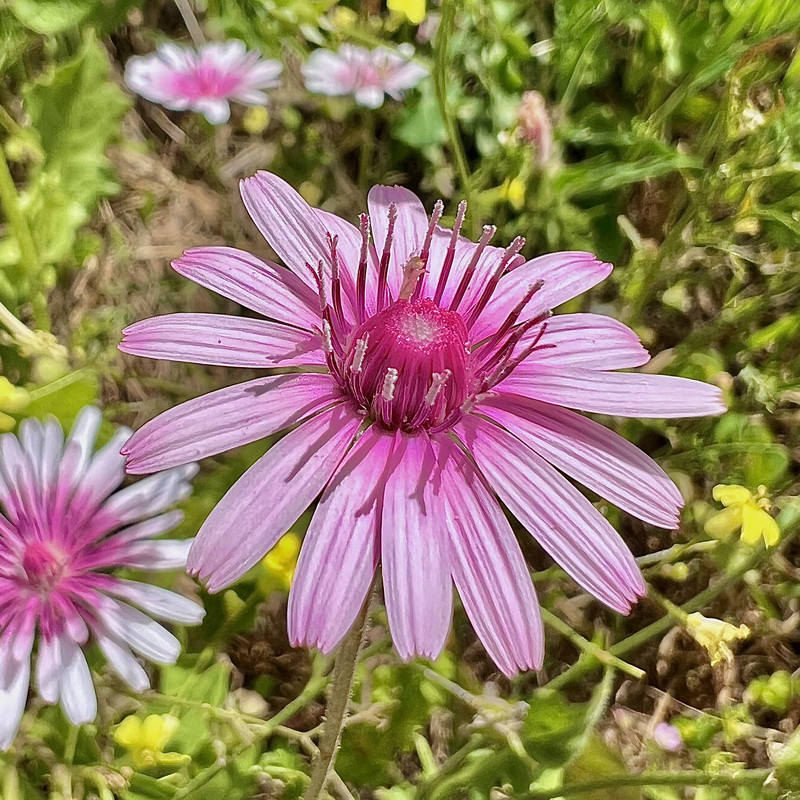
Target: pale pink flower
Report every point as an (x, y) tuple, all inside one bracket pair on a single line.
[(63, 527), (368, 75), (203, 80), (431, 387), (668, 737), (535, 126)]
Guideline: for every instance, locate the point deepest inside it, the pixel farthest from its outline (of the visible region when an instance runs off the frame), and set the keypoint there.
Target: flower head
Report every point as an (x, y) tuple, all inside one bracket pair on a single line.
[(368, 75), (432, 385), (203, 80), (746, 511), (715, 636), (63, 527), (146, 739), (412, 10), (667, 737), (535, 126)]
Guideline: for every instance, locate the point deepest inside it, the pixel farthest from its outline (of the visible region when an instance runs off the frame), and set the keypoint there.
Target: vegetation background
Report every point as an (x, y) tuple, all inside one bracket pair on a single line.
[(675, 154)]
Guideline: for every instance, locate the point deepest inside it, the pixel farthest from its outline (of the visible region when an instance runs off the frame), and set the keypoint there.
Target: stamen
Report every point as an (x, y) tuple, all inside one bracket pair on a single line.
[(424, 254), (317, 273), (486, 236), (383, 270), (414, 267), (336, 284), (512, 318), (439, 380), (450, 255), (359, 353), (491, 284), (389, 381), (361, 282), (327, 338), (509, 366)]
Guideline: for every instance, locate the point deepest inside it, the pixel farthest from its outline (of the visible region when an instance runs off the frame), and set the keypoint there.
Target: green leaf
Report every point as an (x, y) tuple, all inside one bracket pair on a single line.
[(49, 17)]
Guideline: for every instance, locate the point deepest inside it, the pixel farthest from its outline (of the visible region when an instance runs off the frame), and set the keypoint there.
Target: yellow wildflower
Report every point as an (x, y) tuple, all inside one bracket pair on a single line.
[(146, 739), (746, 511), (412, 10), (279, 564), (12, 399), (715, 635), (513, 191), (255, 120)]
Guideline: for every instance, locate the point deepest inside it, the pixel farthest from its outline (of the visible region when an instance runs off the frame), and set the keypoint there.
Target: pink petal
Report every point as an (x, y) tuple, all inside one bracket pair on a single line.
[(593, 455), (291, 227), (222, 340), (591, 341), (558, 516), (563, 275), (416, 575), (267, 288), (340, 552), (270, 496), (488, 567), (14, 681), (227, 418), (409, 229), (621, 394)]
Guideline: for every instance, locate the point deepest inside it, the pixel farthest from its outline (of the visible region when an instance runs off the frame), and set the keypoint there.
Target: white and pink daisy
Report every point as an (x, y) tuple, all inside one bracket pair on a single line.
[(203, 80), (64, 526), (429, 384), (368, 75)]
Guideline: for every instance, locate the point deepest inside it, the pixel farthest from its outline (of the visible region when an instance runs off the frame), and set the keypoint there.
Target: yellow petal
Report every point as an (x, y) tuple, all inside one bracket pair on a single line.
[(157, 730), (728, 494), (412, 10), (723, 523), (758, 524), (128, 733)]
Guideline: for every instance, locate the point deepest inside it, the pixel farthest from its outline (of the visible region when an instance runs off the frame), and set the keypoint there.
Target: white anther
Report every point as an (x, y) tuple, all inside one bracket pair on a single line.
[(437, 384), (327, 337), (387, 392), (359, 353)]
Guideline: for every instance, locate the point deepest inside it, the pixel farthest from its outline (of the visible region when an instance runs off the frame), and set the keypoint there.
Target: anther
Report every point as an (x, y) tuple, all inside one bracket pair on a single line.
[(511, 251), (327, 338), (361, 280), (436, 215), (383, 270), (414, 267), (336, 285), (389, 381), (488, 232), (450, 255), (359, 353), (437, 384)]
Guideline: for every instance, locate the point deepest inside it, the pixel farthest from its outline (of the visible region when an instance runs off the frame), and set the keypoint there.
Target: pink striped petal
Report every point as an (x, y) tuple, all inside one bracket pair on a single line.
[(270, 496), (558, 516), (291, 227), (488, 567), (267, 288), (416, 577), (227, 418), (340, 552), (597, 457), (409, 229), (591, 341), (621, 394), (223, 341), (563, 275)]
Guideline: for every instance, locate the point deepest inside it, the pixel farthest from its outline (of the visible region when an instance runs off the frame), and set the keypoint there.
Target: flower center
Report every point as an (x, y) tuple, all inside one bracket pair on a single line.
[(44, 564), (407, 365)]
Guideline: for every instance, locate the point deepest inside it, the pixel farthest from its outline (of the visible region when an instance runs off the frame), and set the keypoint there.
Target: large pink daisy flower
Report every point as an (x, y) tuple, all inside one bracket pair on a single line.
[(203, 80), (63, 526), (432, 385)]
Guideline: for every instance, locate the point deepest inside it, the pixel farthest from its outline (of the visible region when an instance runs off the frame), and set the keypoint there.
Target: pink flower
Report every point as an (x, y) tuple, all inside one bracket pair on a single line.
[(431, 386), (366, 74), (668, 737), (63, 527), (203, 80)]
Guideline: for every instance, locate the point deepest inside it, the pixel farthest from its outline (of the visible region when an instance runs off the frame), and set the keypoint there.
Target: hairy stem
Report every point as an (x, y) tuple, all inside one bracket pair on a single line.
[(338, 700), (441, 46), (753, 777)]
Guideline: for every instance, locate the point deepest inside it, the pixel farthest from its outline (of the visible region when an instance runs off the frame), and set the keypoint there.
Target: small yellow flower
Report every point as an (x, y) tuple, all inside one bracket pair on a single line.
[(513, 191), (146, 739), (714, 635), (255, 120), (412, 10), (279, 564), (746, 511)]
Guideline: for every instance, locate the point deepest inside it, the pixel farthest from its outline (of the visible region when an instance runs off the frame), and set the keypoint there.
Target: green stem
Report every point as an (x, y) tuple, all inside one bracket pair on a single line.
[(754, 777), (9, 200), (446, 28), (789, 521), (344, 671), (590, 648)]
